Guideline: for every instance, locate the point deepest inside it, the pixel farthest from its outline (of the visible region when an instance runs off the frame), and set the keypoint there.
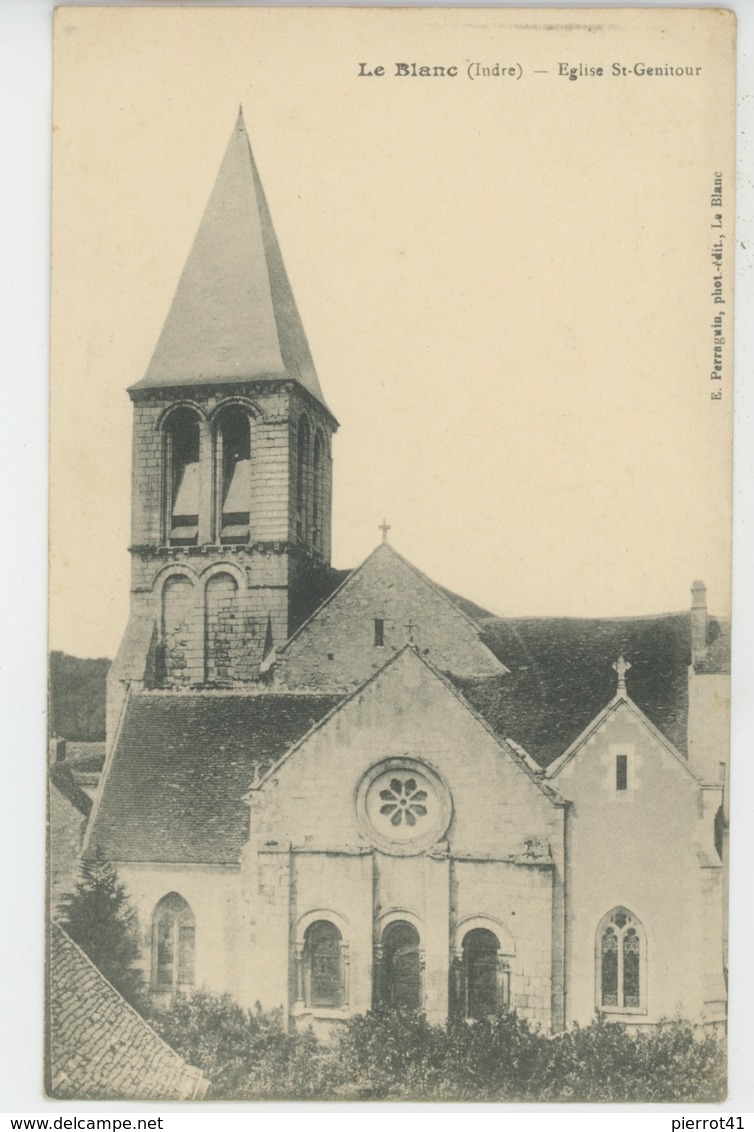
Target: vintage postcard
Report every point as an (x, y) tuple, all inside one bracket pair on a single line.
[(390, 554)]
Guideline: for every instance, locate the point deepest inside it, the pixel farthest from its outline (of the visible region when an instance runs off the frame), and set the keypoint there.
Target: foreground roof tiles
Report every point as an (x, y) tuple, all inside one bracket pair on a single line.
[(99, 1046)]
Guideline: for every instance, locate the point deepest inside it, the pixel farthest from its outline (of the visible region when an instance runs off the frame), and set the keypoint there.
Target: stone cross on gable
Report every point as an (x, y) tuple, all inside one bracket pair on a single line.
[(384, 527), (621, 666), (410, 626)]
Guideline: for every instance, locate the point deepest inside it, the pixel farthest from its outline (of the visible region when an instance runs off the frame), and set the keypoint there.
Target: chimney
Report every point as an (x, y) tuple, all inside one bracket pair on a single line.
[(698, 622)]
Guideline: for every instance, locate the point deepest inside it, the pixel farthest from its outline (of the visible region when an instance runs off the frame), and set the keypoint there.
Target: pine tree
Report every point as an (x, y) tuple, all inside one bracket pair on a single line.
[(99, 917)]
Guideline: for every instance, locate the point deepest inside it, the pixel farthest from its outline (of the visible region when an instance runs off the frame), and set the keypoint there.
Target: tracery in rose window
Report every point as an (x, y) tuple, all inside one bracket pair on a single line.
[(403, 801)]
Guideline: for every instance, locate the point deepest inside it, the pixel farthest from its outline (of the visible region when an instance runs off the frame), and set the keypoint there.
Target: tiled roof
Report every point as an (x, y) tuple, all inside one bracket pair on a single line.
[(561, 676), (182, 765), (65, 826), (99, 1047), (63, 778)]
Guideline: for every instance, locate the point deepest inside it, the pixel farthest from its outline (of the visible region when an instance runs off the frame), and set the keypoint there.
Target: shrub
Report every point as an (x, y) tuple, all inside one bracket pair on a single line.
[(398, 1055)]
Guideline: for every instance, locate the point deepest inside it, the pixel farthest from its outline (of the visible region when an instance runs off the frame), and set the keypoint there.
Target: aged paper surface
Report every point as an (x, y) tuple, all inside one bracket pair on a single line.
[(508, 245)]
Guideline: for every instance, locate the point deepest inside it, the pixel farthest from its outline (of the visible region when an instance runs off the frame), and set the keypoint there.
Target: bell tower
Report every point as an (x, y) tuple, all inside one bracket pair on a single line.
[(232, 468)]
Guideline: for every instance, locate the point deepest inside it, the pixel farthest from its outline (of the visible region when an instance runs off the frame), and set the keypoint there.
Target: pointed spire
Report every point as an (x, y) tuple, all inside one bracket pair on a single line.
[(233, 317)]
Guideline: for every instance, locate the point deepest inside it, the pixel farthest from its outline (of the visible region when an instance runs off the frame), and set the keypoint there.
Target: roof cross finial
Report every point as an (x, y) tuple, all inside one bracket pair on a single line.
[(621, 666), (410, 626), (384, 527)]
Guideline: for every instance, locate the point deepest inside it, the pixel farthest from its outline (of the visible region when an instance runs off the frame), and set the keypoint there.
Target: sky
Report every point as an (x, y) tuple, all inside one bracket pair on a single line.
[(506, 285)]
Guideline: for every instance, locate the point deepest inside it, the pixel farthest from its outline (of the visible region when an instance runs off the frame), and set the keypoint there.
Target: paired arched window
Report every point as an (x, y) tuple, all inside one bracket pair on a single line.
[(621, 962), (233, 475), (182, 476), (207, 484), (173, 940), (398, 967)]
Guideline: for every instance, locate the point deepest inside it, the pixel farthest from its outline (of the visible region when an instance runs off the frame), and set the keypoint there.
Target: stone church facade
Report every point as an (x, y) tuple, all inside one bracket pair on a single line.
[(330, 790)]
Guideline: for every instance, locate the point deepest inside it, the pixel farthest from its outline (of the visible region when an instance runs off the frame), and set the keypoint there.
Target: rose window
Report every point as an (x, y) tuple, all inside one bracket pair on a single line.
[(403, 801), (403, 805)]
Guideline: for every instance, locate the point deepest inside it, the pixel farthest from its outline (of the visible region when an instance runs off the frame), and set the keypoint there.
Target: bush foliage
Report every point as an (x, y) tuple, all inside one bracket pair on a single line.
[(398, 1055), (245, 1054)]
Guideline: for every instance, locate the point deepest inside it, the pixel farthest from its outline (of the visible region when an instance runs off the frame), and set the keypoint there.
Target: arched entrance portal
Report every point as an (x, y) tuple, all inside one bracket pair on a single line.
[(401, 967), (481, 962), (480, 974)]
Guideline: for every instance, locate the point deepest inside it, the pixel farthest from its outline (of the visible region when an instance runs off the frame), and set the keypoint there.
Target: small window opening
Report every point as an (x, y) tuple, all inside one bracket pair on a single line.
[(719, 832), (234, 438), (379, 632), (183, 520), (621, 772)]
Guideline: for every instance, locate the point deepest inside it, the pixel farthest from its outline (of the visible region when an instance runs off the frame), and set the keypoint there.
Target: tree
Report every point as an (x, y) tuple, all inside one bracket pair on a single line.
[(99, 917)]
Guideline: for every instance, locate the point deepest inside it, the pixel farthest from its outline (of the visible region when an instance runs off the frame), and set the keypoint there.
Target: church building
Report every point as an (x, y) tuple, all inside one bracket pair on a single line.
[(330, 790)]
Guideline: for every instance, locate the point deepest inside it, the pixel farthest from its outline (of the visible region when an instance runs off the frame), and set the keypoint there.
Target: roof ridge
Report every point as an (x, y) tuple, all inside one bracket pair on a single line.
[(382, 547)]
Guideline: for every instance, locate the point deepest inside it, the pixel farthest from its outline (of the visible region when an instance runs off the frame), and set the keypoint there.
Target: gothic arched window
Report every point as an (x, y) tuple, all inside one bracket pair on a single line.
[(621, 963), (400, 973), (233, 475), (302, 480), (182, 489), (323, 965), (173, 938)]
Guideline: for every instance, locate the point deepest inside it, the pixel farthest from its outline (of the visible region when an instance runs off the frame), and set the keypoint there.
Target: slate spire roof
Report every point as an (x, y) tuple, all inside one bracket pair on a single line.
[(233, 317)]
